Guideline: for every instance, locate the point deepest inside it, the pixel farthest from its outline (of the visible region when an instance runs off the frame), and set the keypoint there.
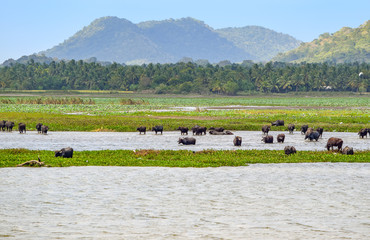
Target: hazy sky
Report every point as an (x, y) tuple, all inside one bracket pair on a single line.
[(30, 26)]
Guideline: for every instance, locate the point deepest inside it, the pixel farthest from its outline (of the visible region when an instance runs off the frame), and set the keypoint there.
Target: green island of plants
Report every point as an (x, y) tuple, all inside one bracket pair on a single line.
[(175, 158)]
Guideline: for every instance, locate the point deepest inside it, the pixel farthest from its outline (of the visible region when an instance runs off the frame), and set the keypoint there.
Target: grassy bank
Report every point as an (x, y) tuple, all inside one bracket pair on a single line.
[(171, 158)]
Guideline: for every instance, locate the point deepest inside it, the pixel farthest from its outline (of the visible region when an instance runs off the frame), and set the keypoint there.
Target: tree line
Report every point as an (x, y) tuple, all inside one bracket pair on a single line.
[(272, 77)]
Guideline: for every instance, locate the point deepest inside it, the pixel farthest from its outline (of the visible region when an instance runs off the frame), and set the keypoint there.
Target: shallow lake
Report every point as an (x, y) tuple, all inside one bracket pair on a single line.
[(260, 201), (80, 141)]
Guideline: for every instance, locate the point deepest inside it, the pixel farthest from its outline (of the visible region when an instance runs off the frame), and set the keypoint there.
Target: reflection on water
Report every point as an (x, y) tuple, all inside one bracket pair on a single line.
[(274, 201), (132, 140)]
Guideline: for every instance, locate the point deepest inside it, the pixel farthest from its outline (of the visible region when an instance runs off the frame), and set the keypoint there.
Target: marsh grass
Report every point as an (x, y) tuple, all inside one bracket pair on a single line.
[(48, 100), (173, 158)]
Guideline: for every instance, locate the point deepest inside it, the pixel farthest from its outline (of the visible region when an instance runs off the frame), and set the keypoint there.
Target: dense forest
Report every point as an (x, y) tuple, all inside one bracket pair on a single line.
[(272, 77)]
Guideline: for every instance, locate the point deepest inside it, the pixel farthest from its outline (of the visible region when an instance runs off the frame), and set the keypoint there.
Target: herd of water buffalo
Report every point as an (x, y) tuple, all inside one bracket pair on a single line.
[(309, 133)]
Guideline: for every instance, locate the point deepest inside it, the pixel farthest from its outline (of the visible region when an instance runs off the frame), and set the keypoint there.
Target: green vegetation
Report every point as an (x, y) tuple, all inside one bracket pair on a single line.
[(346, 45), (187, 78), (171, 158)]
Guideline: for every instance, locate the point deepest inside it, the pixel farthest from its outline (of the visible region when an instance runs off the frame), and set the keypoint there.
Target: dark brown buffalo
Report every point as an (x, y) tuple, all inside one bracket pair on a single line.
[(22, 128), (44, 129), (183, 130), (363, 133), (141, 129), (38, 127), (64, 152), (266, 129), (195, 128), (278, 123), (237, 141), (280, 137), (290, 150), (187, 141), (201, 130), (334, 142), (291, 128), (213, 132), (9, 126), (158, 129), (2, 125), (312, 135), (304, 129), (320, 130), (227, 132), (347, 150), (268, 139), (217, 129)]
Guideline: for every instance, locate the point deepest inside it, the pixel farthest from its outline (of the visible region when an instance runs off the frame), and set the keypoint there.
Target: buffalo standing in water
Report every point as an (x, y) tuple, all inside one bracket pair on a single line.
[(304, 129), (334, 142), (44, 129), (201, 130), (280, 138), (363, 133), (320, 130), (312, 135), (278, 123), (64, 152), (183, 130), (266, 129), (237, 141), (21, 127), (268, 139), (141, 129), (291, 128), (187, 141), (9, 126), (290, 150), (38, 127), (158, 129), (2, 125)]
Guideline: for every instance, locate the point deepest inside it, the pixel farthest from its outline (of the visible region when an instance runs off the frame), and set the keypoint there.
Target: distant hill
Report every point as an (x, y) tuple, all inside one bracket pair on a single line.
[(346, 45), (168, 41), (260, 42)]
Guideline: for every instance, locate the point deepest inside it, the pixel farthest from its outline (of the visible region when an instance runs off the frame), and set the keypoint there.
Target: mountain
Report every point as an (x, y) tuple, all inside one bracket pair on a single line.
[(119, 40), (345, 45), (260, 42)]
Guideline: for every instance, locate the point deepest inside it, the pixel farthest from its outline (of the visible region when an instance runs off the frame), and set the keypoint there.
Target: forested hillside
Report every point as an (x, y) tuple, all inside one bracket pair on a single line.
[(346, 45), (187, 77), (119, 40)]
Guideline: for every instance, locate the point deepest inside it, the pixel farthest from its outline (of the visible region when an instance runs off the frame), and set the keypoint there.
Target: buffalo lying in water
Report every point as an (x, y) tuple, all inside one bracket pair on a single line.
[(217, 129), (187, 141)]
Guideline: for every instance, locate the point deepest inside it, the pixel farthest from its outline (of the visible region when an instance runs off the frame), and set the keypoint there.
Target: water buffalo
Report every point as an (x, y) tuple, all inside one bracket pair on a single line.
[(280, 137), (266, 129), (158, 129), (64, 152), (141, 129), (183, 130), (187, 141), (21, 127), (44, 129), (227, 132), (347, 150), (217, 129), (334, 142), (290, 150), (320, 130), (278, 123), (304, 129), (312, 135), (268, 139), (38, 127), (291, 128), (363, 133), (213, 132), (201, 130), (9, 126), (195, 128), (237, 141), (2, 125)]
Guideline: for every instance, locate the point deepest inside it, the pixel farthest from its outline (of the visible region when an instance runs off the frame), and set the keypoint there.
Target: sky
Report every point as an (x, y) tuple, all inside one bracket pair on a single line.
[(31, 26)]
